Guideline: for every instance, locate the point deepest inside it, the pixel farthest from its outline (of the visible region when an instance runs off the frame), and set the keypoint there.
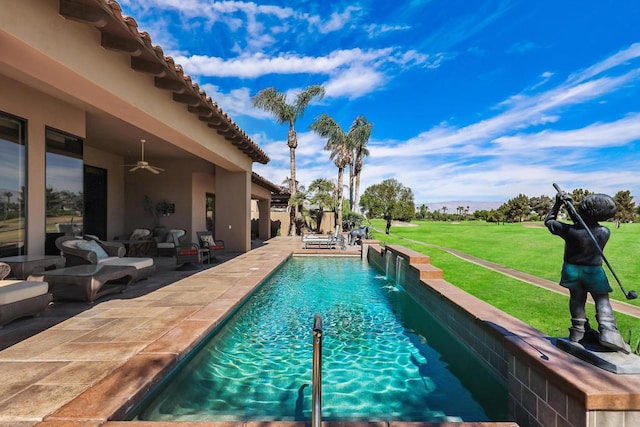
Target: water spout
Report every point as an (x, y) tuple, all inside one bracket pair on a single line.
[(400, 266), (387, 264)]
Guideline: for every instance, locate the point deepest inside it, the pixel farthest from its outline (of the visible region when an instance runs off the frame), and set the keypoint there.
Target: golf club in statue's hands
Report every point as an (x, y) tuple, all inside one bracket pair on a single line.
[(574, 214)]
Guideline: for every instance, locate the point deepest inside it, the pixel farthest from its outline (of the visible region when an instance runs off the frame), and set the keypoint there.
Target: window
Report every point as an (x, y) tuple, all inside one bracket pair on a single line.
[(12, 185), (210, 213), (64, 183)]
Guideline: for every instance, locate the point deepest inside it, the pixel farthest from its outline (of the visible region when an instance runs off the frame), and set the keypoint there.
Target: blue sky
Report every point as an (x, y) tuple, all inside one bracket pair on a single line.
[(474, 100)]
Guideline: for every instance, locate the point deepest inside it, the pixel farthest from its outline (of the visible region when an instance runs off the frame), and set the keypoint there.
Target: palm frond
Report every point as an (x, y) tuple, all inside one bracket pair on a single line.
[(304, 98), (274, 102)]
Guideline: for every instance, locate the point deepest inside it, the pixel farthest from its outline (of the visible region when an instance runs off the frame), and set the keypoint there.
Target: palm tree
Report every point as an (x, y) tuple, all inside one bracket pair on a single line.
[(322, 191), (340, 144), (360, 151), (275, 103)]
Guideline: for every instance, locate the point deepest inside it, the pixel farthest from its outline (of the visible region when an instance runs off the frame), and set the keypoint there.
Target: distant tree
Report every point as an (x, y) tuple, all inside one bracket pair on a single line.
[(626, 206), (495, 215), (424, 211), (578, 194), (275, 103), (541, 205), (321, 192), (389, 200), (516, 209), (481, 214)]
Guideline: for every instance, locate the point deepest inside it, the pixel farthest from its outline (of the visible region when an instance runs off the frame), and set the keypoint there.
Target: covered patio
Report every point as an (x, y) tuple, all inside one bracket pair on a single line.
[(81, 88)]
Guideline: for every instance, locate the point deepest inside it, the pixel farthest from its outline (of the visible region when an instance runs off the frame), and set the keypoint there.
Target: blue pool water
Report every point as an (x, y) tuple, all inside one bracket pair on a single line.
[(384, 357)]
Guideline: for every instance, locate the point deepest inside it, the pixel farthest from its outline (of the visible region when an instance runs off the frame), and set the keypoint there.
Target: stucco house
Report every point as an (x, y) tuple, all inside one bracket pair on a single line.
[(80, 89)]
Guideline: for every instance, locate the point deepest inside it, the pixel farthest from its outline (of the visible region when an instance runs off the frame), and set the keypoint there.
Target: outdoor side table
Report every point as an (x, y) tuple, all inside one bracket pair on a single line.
[(24, 265), (86, 282)]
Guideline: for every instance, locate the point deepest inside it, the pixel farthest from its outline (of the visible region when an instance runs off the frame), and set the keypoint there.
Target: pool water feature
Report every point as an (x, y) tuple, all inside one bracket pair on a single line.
[(384, 357)]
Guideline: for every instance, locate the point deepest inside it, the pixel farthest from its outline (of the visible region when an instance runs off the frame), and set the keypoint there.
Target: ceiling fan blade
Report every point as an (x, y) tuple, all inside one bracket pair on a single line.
[(152, 170), (134, 169)]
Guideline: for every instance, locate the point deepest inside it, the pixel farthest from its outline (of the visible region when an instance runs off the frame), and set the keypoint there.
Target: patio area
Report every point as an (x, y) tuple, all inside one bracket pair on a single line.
[(77, 364)]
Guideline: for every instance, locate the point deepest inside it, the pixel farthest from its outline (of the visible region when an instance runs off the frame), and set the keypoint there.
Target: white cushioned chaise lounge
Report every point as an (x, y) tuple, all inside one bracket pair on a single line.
[(21, 298), (90, 250)]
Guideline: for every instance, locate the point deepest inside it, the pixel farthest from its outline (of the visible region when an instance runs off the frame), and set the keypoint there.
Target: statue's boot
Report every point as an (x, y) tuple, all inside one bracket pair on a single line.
[(580, 331), (610, 335)]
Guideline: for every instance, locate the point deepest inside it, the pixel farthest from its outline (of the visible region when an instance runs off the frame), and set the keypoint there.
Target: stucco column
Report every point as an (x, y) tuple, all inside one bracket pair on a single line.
[(36, 210), (264, 225), (233, 209)]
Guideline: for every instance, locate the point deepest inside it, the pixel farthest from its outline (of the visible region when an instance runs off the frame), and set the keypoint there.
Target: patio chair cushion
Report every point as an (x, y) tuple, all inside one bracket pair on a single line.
[(140, 234), (189, 250), (18, 290), (92, 245), (138, 263), (207, 241)]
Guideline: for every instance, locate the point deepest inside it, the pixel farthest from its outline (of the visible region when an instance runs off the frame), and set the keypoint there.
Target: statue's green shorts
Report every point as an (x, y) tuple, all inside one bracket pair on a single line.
[(587, 277)]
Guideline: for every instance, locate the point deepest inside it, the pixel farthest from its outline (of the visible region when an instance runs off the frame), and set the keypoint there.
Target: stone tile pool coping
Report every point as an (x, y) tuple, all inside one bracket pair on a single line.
[(96, 365)]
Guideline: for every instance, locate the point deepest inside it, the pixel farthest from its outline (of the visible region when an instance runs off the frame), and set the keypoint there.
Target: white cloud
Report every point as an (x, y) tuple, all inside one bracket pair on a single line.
[(258, 64), (354, 83), (615, 133), (337, 20), (620, 58), (374, 30)]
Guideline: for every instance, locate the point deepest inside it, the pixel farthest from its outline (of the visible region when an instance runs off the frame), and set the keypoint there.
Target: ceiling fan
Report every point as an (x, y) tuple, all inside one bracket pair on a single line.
[(142, 164)]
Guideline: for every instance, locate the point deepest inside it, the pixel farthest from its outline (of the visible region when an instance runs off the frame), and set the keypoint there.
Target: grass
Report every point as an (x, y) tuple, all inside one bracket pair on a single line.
[(526, 247)]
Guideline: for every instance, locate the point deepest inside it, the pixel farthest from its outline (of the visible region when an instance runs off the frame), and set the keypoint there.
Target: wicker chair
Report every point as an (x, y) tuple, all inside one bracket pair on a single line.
[(89, 249), (209, 245), (21, 298)]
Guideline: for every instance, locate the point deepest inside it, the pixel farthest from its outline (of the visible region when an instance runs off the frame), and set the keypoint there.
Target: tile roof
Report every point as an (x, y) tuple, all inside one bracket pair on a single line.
[(120, 33), (263, 182)]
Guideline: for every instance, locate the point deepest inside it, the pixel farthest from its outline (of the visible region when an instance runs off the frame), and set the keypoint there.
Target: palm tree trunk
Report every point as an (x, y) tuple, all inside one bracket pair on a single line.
[(340, 198), (356, 197), (351, 193), (292, 141)]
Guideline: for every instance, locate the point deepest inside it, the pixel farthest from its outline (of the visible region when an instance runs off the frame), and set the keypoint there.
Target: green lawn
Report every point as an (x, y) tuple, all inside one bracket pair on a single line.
[(526, 247)]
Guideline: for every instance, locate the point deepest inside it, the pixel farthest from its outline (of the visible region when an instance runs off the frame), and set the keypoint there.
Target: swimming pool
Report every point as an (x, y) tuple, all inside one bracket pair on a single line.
[(384, 357)]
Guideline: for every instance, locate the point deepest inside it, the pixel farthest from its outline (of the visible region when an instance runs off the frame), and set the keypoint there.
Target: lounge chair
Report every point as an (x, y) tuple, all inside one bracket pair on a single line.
[(90, 249), (21, 298), (328, 241), (140, 243), (169, 246), (209, 245)]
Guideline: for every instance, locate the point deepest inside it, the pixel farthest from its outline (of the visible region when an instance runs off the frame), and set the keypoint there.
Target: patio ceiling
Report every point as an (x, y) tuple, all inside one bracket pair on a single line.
[(115, 136)]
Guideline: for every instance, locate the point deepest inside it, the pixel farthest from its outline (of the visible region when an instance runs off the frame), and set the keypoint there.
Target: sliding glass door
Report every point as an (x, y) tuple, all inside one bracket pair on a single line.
[(12, 185), (64, 186)]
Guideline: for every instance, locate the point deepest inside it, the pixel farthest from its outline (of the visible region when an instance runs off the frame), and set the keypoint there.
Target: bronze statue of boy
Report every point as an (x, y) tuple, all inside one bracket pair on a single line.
[(582, 271)]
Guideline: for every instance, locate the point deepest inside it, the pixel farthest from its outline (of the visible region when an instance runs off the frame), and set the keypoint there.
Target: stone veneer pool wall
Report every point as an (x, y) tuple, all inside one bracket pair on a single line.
[(547, 387)]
